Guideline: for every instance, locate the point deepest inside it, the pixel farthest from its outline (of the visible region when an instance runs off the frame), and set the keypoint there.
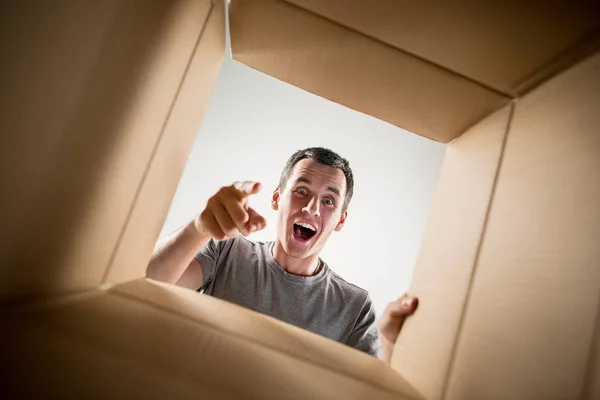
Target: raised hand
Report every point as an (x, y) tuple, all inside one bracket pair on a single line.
[(227, 213)]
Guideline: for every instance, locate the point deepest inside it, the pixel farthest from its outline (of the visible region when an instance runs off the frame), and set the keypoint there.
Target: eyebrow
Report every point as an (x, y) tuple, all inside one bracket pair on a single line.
[(330, 188)]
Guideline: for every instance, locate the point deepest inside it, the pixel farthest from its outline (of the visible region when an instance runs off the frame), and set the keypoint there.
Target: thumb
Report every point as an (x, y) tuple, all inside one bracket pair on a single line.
[(404, 305), (255, 221)]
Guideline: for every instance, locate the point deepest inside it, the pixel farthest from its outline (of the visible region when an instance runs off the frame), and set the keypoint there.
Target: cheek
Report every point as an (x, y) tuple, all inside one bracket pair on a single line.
[(288, 205), (330, 218), (294, 203)]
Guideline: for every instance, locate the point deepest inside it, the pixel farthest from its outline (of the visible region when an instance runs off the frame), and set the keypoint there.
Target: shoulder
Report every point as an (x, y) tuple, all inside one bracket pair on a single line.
[(240, 246), (350, 291), (238, 241), (244, 243)]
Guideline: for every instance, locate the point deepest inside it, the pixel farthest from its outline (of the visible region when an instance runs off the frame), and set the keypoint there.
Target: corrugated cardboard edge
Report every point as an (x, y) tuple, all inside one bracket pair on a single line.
[(448, 254)]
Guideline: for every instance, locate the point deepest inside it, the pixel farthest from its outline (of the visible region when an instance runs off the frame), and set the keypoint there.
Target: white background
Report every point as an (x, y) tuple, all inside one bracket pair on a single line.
[(255, 122)]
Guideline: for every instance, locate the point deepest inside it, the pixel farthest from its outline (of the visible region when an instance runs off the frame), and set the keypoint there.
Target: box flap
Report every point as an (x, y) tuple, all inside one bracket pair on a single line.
[(92, 88), (448, 253), (367, 75), (529, 325), (170, 156), (161, 341), (503, 45)]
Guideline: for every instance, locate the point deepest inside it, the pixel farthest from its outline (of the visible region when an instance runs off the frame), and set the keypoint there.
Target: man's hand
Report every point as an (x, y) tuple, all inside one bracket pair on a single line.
[(227, 213), (391, 322)]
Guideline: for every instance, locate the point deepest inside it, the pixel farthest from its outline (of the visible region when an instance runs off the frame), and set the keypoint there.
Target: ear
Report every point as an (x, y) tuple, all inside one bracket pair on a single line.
[(275, 200), (340, 224)]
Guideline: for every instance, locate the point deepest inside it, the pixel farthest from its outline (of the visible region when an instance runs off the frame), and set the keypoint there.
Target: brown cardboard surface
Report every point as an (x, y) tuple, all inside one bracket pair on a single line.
[(367, 75), (49, 53), (531, 314), (266, 331), (447, 256), (170, 156), (501, 45), (103, 102), (121, 345), (34, 102), (591, 388), (122, 64)]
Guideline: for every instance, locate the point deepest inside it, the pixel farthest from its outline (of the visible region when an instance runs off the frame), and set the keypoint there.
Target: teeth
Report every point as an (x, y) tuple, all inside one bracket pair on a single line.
[(307, 226)]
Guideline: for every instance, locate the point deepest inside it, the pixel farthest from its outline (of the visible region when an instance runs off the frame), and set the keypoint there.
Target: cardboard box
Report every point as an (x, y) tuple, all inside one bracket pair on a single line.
[(104, 101)]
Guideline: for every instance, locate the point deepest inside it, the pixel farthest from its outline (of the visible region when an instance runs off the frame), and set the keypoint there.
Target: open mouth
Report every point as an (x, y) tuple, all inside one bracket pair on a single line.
[(304, 231)]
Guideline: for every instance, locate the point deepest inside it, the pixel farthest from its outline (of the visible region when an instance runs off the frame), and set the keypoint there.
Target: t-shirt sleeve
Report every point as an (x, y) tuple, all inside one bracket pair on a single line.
[(365, 336), (208, 257)]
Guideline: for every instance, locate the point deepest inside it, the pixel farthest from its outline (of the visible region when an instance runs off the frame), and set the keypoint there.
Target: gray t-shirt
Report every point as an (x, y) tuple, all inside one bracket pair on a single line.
[(246, 273)]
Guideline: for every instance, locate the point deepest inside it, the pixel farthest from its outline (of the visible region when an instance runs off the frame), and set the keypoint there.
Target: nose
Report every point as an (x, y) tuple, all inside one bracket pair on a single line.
[(312, 208)]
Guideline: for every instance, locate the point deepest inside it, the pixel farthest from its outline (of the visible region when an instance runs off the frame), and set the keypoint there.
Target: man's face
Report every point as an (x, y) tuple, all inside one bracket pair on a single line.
[(309, 208)]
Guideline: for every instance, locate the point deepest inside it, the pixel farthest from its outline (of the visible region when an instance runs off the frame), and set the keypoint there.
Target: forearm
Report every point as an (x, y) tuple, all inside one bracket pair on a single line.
[(391, 321), (173, 254), (389, 329), (387, 349)]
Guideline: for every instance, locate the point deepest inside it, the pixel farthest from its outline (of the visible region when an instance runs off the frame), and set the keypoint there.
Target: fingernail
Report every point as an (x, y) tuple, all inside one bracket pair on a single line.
[(254, 227), (408, 302)]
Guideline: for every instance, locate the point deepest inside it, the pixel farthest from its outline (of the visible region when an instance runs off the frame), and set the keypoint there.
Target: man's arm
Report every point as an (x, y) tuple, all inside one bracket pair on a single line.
[(226, 215), (173, 258), (365, 336), (391, 322)]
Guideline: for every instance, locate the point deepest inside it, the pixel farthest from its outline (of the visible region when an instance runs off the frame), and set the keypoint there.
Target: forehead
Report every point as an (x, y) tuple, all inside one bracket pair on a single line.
[(319, 174)]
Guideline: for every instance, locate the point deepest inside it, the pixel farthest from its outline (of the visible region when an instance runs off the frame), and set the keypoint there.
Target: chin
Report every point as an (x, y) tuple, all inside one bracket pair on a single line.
[(294, 252), (297, 251)]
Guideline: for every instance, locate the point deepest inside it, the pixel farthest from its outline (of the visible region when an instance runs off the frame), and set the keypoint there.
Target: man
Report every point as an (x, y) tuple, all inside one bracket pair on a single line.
[(285, 279)]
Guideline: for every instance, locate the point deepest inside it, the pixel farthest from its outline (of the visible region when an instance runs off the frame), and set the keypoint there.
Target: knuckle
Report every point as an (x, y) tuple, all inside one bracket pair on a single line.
[(229, 234), (204, 215), (241, 217), (211, 202), (230, 230), (220, 236)]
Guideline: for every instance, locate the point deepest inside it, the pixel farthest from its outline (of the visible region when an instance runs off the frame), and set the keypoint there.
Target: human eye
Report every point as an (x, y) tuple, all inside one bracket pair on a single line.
[(329, 201), (302, 191)]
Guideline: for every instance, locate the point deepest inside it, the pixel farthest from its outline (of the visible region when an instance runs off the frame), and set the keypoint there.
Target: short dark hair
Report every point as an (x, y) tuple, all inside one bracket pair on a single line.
[(325, 157)]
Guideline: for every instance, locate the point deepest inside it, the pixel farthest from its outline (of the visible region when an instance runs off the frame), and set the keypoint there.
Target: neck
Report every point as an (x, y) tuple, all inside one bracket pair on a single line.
[(295, 266)]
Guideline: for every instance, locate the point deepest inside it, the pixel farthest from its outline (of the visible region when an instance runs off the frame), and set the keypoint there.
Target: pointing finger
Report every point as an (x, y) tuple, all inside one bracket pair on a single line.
[(246, 188)]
